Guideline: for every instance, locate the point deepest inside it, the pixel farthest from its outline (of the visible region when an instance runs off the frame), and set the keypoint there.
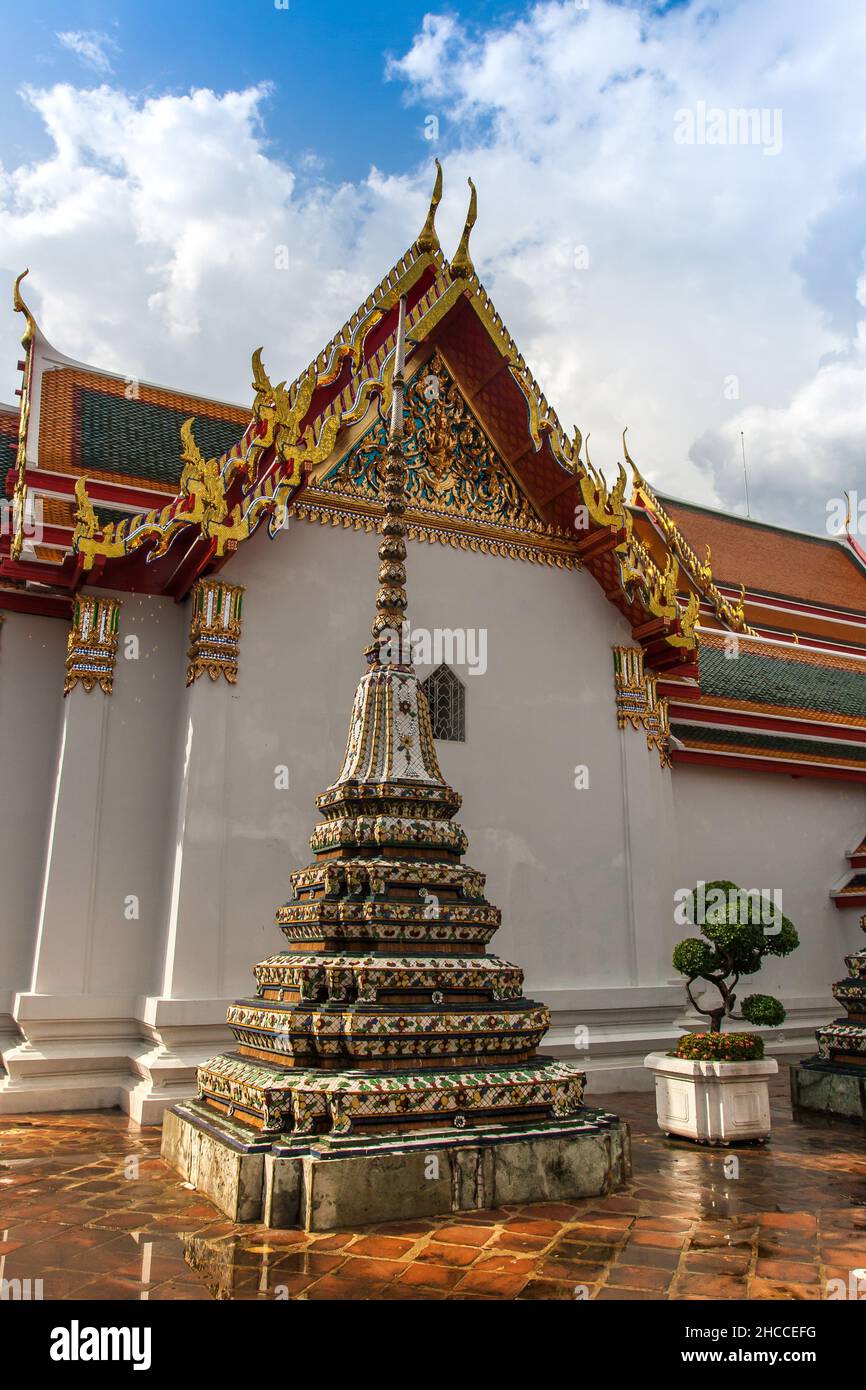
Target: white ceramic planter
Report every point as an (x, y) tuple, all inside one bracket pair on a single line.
[(713, 1102)]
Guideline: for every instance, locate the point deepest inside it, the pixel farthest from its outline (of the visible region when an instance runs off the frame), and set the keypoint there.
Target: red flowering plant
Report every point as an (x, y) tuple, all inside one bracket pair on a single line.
[(741, 928)]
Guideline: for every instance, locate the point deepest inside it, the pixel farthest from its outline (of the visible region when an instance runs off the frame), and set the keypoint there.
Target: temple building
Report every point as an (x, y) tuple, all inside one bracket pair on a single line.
[(631, 693)]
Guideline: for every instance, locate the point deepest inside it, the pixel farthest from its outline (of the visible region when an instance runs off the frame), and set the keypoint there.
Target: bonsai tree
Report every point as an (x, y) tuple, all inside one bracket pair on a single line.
[(740, 928)]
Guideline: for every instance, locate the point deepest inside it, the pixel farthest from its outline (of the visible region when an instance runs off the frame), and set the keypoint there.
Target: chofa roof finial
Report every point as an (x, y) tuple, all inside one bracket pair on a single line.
[(461, 264), (428, 239)]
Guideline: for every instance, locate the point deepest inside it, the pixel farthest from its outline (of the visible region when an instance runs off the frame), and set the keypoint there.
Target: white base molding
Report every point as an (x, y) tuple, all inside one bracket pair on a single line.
[(610, 1031), (713, 1102), (99, 1053), (65, 1052)]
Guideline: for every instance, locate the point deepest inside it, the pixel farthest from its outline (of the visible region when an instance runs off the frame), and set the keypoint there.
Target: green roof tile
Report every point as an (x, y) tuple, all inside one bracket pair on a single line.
[(746, 740), (136, 437), (765, 680)]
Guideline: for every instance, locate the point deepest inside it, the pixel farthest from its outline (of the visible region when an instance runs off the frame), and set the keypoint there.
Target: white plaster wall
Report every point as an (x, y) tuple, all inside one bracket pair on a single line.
[(585, 878), (91, 941), (135, 825), (32, 652), (773, 831), (554, 856)]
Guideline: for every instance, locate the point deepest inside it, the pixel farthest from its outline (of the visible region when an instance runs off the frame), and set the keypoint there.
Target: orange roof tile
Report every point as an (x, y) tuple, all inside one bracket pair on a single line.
[(767, 559)]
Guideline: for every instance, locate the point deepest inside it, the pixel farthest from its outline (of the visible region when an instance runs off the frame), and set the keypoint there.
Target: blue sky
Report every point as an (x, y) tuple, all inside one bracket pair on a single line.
[(325, 60), (189, 180)]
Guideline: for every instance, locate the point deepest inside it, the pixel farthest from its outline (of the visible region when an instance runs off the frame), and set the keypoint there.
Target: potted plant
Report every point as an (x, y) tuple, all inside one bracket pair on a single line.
[(714, 1086)]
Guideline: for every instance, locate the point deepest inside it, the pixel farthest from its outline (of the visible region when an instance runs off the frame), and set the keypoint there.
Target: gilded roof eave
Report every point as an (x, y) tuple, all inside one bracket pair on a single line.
[(290, 435)]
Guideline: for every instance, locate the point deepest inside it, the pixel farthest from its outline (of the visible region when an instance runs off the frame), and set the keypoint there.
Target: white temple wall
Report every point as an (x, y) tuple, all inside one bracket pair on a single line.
[(581, 878), (777, 832), (175, 795), (97, 912), (135, 829), (552, 853), (32, 651)]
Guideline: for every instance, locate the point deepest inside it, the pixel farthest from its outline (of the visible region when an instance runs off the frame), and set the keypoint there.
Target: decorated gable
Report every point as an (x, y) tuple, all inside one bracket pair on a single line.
[(458, 488)]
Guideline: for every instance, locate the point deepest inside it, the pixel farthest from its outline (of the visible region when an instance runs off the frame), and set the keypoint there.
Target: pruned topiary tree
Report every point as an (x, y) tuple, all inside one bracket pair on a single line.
[(740, 928)]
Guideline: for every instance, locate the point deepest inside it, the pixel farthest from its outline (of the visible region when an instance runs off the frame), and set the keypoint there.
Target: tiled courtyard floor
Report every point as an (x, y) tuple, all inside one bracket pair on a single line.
[(88, 1207)]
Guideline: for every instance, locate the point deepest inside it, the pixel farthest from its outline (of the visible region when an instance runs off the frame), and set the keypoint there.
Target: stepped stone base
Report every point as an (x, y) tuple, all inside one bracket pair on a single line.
[(325, 1183), (831, 1088)]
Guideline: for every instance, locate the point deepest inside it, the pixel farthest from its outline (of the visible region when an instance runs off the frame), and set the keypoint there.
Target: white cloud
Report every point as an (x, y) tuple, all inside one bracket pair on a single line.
[(91, 46), (153, 227), (152, 232), (713, 300)]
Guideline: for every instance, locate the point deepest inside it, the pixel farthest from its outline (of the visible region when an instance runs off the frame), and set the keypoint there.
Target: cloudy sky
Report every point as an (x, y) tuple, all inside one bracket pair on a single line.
[(189, 181)]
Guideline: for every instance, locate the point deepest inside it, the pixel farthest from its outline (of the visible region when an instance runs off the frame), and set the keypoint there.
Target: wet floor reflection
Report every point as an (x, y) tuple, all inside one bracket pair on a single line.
[(89, 1210)]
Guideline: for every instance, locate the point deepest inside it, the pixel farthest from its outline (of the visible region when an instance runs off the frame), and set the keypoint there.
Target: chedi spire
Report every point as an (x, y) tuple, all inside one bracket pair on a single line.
[(387, 1026)]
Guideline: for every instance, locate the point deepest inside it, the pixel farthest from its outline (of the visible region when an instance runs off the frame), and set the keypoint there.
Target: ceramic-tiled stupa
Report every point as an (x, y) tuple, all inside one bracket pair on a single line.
[(834, 1080), (387, 1033)]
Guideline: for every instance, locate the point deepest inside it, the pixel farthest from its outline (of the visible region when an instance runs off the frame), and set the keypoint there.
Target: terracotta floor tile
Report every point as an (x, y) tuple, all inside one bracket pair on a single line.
[(382, 1247), (773, 1250), (109, 1290), (793, 1271), (482, 1279), (793, 1220), (604, 1220), (463, 1235), (772, 1289), (662, 1223), (607, 1294), (183, 1292), (334, 1242), (513, 1240), (363, 1268), (430, 1276), (343, 1289), (790, 1220), (442, 1254), (662, 1240), (546, 1289), (404, 1293), (630, 1277), (61, 1283), (532, 1226), (649, 1255), (713, 1285), (412, 1230), (618, 1203), (582, 1253), (717, 1261), (569, 1270), (551, 1211)]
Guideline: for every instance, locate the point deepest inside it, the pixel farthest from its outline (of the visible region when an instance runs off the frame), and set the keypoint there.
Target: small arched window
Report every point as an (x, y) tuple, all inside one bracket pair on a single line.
[(446, 700)]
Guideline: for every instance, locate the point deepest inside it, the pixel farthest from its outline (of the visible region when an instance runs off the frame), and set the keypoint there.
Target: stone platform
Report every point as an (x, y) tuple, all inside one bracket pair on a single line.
[(329, 1183), (830, 1088)]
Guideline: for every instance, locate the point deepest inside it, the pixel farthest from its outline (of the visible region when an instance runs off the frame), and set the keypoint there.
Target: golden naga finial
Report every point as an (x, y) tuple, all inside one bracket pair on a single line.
[(261, 384), (461, 266), (428, 239), (86, 523), (20, 490), (577, 445), (689, 617), (628, 458), (638, 478), (190, 455), (21, 308)]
